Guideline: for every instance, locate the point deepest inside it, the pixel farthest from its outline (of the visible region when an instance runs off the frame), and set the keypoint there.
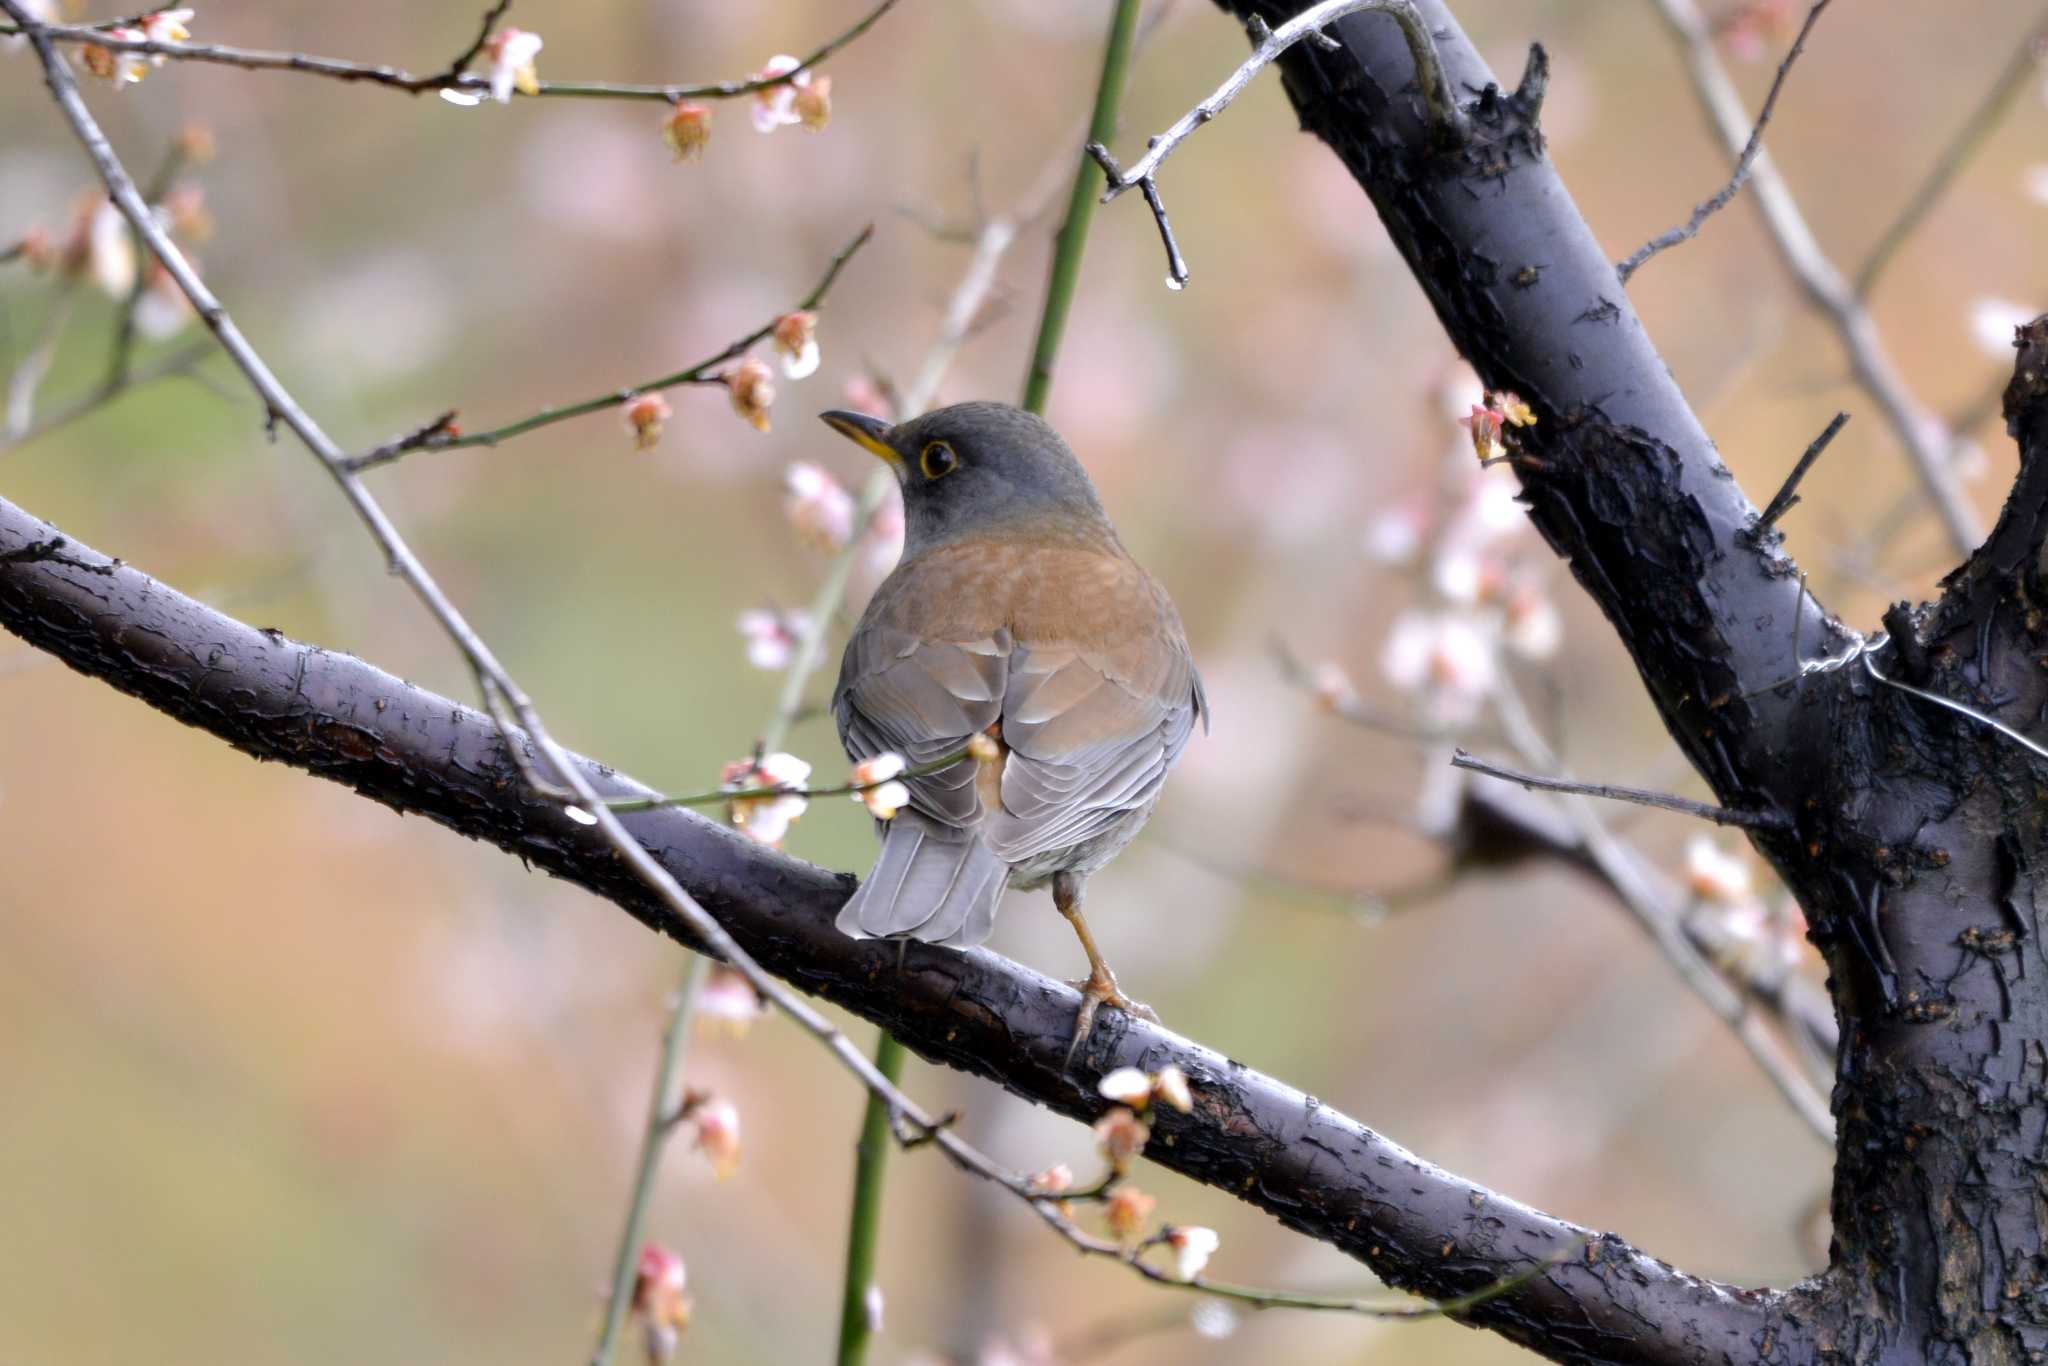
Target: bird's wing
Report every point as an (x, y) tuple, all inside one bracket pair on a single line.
[(1091, 733), (923, 699)]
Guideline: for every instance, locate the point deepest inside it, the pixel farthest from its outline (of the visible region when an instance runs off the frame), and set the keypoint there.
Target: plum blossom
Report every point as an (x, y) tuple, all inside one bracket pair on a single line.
[(1127, 1211), (727, 1002), (166, 26), (102, 247), (162, 310), (1446, 659), (1714, 875), (752, 390), (1192, 1248), (717, 1125), (805, 98), (767, 818), (1752, 24), (772, 637), (796, 337), (2035, 178), (659, 1304), (119, 66), (1170, 1088), (880, 791), (645, 414), (1534, 628), (818, 506), (1485, 425), (1138, 1089), (1123, 1136), (511, 52), (687, 130), (1992, 322), (1126, 1086)]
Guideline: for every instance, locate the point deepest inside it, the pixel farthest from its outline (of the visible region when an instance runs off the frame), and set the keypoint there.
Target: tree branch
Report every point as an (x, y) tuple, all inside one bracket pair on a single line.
[(1318, 1171), (1928, 445)]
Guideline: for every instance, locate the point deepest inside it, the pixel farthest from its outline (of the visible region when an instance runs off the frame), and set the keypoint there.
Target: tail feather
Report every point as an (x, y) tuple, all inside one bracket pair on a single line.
[(926, 886)]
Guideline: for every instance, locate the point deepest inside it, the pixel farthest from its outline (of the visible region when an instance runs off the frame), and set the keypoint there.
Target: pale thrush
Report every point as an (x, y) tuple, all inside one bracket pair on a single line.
[(1015, 613)]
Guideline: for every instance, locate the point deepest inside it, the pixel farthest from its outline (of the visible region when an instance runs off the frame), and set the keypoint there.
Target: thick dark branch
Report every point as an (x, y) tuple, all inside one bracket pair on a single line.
[(1618, 473), (1318, 1171)]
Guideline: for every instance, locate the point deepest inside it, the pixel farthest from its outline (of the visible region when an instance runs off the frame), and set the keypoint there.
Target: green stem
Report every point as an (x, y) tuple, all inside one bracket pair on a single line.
[(661, 1109), (1066, 256), (870, 1164)]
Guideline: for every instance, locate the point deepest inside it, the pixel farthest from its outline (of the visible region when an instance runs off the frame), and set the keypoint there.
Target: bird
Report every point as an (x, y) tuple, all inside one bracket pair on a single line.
[(1015, 613)]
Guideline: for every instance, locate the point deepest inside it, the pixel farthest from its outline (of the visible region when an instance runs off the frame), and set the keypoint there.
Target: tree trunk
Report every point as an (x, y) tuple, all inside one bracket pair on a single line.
[(1913, 834)]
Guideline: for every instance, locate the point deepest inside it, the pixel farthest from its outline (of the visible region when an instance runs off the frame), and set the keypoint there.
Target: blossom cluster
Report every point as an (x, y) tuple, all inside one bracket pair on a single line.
[(1483, 596)]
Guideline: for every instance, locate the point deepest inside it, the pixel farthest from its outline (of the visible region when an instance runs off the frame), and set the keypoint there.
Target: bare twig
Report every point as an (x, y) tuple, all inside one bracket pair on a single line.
[(463, 58), (493, 681), (1719, 815), (1788, 493), (437, 435), (662, 1106), (1708, 208), (251, 59), (1436, 91), (1445, 114), (1927, 443), (2026, 59), (1660, 914), (35, 363), (172, 363)]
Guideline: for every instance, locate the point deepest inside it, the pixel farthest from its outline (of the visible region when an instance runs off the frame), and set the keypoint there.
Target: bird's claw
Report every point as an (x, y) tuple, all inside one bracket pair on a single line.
[(1097, 991)]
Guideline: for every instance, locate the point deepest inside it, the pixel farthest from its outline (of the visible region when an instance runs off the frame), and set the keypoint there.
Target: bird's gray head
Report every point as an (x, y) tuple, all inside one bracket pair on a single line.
[(973, 465)]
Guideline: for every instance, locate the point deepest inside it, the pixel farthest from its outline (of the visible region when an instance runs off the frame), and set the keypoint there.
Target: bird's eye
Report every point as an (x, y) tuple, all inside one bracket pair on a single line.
[(938, 460)]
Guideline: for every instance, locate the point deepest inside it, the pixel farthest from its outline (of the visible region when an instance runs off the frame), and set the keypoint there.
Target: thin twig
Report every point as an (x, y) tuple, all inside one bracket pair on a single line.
[(661, 1107), (2026, 60), (1657, 913), (1446, 118), (251, 59), (437, 436), (912, 1125), (1442, 102), (463, 58), (491, 675), (1702, 212), (771, 739), (171, 363), (1788, 495), (35, 363), (1685, 806), (1928, 445)]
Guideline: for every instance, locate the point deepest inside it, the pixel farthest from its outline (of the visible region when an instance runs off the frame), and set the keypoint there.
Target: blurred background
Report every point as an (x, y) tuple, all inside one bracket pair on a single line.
[(288, 1078)]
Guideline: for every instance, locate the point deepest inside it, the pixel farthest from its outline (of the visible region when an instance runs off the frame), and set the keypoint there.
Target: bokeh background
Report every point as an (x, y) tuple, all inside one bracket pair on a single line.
[(287, 1078)]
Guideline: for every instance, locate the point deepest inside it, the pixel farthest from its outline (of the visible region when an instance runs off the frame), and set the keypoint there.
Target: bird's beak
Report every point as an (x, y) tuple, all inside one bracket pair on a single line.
[(869, 433)]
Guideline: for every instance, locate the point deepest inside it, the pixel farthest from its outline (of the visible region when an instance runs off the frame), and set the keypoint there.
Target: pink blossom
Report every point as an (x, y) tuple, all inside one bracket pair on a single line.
[(772, 637), (511, 52), (818, 506), (880, 791)]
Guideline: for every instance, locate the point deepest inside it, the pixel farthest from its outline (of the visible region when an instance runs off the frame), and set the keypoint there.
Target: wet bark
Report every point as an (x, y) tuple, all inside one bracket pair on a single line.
[(1915, 837), (1315, 1169)]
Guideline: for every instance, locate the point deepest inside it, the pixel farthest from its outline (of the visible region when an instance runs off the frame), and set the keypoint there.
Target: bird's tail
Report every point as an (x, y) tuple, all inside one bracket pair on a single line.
[(930, 883)]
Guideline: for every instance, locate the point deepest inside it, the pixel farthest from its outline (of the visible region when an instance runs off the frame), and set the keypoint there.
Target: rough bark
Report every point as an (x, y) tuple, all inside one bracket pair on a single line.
[(1916, 833), (1315, 1169)]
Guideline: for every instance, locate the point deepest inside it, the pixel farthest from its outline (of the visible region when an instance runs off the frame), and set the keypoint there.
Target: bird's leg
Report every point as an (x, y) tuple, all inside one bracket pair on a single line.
[(1099, 988)]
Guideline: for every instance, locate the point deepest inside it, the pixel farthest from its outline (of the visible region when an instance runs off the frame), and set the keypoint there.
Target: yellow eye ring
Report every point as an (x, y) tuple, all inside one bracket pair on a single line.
[(937, 460)]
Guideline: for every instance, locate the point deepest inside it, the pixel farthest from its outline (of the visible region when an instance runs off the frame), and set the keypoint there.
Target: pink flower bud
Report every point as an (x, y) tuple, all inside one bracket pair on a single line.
[(644, 416), (687, 130), (752, 390)]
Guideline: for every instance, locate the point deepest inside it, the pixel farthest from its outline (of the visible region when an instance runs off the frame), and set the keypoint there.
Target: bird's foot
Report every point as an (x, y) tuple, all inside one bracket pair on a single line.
[(1099, 990)]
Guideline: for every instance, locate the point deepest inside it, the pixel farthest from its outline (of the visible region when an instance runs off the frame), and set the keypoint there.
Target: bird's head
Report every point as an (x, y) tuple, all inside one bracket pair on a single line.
[(974, 466)]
